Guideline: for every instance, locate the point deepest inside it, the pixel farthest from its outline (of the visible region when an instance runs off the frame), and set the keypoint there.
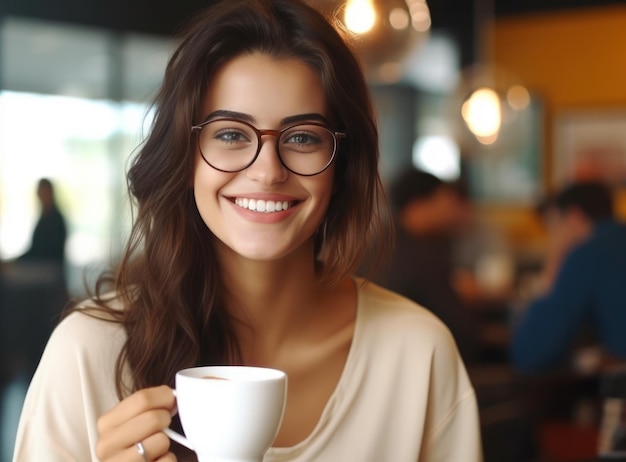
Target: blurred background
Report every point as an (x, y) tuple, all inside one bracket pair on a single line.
[(510, 99)]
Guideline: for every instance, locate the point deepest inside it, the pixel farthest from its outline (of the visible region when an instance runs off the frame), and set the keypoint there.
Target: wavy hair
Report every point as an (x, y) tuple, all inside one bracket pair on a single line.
[(168, 278)]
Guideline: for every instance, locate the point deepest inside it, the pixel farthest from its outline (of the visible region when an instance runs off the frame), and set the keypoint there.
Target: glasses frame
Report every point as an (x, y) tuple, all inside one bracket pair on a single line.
[(268, 132)]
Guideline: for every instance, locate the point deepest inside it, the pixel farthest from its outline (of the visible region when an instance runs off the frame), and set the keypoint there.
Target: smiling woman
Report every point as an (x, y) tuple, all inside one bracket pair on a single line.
[(257, 194), (273, 93)]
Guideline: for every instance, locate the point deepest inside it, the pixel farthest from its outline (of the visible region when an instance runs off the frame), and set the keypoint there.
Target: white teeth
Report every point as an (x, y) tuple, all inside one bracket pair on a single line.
[(262, 206)]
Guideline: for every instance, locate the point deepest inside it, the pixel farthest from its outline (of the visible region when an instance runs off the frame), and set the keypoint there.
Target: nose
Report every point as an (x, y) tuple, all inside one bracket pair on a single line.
[(267, 168)]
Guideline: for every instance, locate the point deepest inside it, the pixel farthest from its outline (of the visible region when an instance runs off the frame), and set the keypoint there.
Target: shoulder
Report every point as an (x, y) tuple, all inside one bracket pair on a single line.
[(610, 235), (604, 251), (389, 321), (387, 309), (402, 340), (87, 331), (83, 349), (74, 384)]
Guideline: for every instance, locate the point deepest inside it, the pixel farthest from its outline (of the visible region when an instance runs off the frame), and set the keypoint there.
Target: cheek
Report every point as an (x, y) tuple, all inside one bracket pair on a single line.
[(206, 183), (325, 188), (199, 180), (198, 167)]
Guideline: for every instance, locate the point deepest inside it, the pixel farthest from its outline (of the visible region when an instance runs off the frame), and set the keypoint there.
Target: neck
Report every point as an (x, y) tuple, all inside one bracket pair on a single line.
[(271, 299), (47, 207)]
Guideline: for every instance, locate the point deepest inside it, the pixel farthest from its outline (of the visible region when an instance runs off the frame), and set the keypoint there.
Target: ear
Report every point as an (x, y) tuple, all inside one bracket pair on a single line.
[(576, 215), (578, 221)]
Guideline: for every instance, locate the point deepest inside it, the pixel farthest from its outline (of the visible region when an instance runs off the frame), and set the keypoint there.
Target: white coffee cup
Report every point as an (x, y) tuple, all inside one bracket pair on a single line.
[(229, 413)]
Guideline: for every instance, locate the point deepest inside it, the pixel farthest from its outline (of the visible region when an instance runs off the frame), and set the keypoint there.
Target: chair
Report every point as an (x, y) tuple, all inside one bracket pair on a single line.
[(612, 441)]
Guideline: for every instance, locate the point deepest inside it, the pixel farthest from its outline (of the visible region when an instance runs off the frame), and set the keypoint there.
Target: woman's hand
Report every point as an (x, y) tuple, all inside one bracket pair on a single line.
[(140, 418)]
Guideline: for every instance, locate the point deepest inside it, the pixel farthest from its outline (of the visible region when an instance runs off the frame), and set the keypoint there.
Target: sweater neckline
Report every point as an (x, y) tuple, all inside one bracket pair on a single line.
[(339, 399)]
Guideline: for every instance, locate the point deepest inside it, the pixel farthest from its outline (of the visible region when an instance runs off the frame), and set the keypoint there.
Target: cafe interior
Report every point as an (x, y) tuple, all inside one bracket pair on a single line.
[(512, 99)]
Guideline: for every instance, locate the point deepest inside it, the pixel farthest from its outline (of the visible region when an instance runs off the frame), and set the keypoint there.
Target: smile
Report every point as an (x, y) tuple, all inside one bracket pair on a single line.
[(262, 206)]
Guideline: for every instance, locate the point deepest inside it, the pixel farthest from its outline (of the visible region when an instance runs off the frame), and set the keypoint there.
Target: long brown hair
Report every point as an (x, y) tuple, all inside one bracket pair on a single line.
[(168, 279)]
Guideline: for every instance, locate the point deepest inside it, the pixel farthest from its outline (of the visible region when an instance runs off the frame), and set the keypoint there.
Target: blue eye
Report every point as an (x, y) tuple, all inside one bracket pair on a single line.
[(228, 135), (302, 139), (306, 139)]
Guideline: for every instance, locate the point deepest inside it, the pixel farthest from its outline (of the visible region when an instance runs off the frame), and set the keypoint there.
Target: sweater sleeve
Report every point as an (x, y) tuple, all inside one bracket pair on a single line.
[(72, 386), (457, 437), (453, 420)]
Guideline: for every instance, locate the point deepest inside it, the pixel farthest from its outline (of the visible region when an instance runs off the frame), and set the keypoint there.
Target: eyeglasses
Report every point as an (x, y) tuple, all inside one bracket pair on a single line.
[(232, 145)]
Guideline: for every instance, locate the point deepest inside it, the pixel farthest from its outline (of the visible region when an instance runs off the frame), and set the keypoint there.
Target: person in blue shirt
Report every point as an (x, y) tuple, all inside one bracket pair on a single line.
[(583, 282)]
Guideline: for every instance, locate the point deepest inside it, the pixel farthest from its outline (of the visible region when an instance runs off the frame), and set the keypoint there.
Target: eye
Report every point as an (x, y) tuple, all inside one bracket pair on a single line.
[(302, 138), (305, 138), (230, 135)]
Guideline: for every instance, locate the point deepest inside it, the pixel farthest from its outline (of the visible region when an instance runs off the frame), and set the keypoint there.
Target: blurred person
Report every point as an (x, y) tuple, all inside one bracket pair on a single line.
[(484, 266), (33, 293), (258, 193), (428, 215), (50, 232), (38, 284), (582, 283)]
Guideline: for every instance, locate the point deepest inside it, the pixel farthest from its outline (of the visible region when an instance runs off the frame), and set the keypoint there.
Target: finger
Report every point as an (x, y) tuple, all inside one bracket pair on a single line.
[(139, 429), (135, 404), (155, 448), (128, 455), (169, 457)]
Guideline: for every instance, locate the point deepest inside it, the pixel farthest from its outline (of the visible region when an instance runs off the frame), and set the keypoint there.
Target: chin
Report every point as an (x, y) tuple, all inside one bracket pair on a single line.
[(260, 252)]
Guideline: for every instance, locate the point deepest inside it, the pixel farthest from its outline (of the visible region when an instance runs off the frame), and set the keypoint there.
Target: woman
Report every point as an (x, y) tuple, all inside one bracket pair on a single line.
[(257, 193)]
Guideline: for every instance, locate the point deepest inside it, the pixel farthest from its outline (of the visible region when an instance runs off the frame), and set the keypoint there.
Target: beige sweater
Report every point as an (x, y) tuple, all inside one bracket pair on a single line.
[(404, 395)]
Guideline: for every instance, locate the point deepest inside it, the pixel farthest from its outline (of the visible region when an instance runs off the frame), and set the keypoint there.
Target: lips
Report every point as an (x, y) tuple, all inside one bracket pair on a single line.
[(261, 205)]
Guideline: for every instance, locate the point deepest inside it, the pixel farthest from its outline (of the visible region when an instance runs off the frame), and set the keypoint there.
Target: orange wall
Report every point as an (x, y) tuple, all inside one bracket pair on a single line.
[(569, 60), (576, 58)]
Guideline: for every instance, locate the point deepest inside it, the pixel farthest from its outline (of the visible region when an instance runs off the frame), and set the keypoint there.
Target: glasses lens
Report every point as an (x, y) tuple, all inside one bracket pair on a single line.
[(231, 145), (228, 145), (306, 149)]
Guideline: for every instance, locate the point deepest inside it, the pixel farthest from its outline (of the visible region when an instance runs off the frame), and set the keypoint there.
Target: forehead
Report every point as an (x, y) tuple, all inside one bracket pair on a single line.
[(266, 88)]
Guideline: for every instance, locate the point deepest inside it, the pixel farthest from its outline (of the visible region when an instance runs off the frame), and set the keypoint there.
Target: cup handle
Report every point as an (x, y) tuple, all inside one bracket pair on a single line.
[(178, 438)]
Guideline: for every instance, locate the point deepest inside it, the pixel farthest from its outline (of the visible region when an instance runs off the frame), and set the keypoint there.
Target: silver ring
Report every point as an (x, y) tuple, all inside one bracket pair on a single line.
[(142, 451)]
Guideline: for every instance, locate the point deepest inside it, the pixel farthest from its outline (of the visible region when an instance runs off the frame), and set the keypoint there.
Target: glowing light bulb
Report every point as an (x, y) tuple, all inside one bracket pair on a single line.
[(360, 16), (399, 19), (518, 97), (483, 114), (387, 33), (420, 15)]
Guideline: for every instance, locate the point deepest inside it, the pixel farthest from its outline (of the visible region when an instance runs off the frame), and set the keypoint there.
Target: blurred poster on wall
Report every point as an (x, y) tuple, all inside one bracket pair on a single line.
[(590, 144)]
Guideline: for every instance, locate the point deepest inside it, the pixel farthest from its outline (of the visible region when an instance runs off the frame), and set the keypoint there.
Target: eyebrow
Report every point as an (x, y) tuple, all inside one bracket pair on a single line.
[(248, 118)]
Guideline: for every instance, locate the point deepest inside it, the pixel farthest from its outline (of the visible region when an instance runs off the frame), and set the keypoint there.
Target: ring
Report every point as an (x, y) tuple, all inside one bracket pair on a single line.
[(142, 451)]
